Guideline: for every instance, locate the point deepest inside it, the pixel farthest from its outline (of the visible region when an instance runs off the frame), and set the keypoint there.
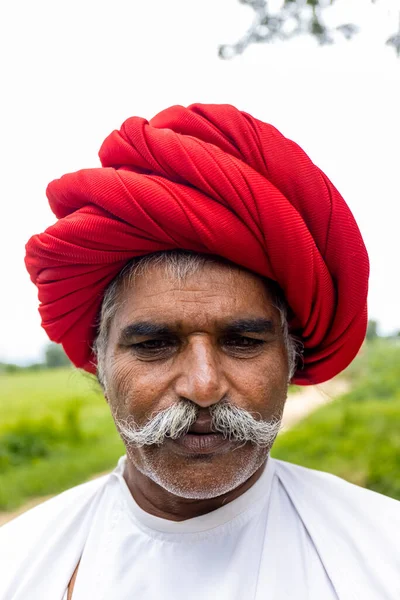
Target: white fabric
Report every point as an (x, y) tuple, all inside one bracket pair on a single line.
[(296, 533)]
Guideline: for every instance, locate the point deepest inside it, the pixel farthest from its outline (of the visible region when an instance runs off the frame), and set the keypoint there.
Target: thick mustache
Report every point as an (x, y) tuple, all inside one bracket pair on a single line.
[(234, 423)]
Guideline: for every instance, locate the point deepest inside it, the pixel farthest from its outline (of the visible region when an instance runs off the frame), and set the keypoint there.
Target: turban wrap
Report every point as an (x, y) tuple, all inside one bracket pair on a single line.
[(208, 179)]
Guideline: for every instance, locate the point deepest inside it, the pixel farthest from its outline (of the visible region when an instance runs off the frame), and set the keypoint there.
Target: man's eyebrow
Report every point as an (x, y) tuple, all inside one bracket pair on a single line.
[(237, 326), (259, 325), (144, 328)]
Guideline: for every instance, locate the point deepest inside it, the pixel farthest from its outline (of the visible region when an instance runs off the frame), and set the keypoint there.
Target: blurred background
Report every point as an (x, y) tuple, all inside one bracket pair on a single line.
[(325, 73)]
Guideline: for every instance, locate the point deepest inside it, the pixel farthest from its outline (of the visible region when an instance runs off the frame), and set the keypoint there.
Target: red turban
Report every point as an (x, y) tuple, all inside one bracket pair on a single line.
[(209, 179)]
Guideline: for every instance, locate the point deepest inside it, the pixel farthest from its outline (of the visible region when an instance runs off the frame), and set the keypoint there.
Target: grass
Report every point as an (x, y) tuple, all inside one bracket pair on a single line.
[(35, 394), (55, 432), (357, 436)]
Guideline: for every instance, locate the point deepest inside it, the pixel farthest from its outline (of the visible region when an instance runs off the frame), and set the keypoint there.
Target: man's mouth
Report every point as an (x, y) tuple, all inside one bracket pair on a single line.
[(200, 439), (202, 443), (202, 426)]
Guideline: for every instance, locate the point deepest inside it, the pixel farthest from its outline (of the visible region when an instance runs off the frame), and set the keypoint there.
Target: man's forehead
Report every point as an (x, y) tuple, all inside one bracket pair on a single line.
[(208, 282), (164, 299)]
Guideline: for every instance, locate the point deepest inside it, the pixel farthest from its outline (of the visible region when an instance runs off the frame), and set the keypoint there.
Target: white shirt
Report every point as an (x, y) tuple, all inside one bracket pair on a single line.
[(295, 534), (233, 553)]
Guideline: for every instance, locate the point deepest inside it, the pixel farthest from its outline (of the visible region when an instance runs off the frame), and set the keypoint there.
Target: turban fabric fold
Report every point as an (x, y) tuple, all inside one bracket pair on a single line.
[(208, 179)]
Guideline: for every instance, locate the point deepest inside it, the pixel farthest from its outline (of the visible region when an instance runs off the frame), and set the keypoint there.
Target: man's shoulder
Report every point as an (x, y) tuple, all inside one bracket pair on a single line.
[(337, 488), (55, 529), (355, 530), (336, 504), (29, 526)]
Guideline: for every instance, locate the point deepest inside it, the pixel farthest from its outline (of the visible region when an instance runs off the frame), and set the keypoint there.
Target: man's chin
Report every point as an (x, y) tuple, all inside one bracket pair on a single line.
[(201, 476)]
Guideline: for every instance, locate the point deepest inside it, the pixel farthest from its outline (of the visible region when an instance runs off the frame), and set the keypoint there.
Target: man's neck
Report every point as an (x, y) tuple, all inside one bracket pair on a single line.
[(159, 502)]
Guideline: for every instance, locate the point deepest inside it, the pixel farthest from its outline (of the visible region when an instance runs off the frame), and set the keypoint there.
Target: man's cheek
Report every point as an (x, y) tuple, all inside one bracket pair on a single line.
[(121, 381), (265, 396), (133, 393)]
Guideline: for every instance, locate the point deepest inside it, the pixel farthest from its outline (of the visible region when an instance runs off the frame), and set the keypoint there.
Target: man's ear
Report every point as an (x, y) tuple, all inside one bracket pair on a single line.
[(104, 388)]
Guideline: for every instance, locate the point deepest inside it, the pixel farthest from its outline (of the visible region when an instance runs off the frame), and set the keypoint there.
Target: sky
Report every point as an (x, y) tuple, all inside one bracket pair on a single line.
[(75, 71)]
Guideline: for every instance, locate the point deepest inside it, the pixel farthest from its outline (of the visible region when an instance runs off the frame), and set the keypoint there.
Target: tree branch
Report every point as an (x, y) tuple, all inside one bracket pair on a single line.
[(295, 17)]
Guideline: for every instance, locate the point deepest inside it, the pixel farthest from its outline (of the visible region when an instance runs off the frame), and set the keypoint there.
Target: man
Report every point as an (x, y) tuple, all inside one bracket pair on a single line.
[(202, 268)]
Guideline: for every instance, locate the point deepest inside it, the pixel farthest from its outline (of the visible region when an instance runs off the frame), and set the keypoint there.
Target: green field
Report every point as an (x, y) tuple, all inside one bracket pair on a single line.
[(56, 430), (358, 435)]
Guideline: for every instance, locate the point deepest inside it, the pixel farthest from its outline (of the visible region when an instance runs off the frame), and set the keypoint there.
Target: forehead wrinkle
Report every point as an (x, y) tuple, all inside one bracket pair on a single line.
[(205, 308), (212, 271), (202, 292)]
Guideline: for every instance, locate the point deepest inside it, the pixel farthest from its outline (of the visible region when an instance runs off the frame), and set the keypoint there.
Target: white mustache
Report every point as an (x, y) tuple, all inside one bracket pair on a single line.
[(236, 424)]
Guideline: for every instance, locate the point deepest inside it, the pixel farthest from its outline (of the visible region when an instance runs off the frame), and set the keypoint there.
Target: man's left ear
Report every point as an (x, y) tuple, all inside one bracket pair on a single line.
[(105, 393), (103, 385)]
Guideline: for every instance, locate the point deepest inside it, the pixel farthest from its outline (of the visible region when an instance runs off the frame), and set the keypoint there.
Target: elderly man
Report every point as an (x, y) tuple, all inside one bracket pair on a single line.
[(203, 267)]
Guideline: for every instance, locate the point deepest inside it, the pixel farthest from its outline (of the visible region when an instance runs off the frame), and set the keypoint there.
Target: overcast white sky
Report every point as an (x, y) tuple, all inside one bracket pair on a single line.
[(75, 70)]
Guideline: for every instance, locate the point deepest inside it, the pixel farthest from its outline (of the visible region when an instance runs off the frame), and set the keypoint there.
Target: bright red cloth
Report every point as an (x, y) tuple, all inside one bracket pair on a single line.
[(210, 179)]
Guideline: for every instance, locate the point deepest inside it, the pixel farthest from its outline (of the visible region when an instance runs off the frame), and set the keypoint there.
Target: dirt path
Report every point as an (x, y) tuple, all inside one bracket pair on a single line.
[(298, 406)]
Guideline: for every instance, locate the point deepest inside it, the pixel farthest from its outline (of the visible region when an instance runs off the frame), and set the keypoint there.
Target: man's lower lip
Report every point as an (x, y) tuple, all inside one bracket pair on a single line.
[(206, 443)]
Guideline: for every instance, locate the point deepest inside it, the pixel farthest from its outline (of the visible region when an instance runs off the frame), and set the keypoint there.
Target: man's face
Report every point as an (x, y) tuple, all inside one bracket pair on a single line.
[(214, 337)]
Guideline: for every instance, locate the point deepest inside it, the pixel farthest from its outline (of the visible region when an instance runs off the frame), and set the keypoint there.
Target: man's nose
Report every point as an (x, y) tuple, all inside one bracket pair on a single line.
[(200, 376)]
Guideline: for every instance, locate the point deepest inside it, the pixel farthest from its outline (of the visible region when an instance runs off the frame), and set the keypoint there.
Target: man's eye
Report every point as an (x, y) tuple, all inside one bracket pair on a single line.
[(156, 348), (152, 344), (242, 342)]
